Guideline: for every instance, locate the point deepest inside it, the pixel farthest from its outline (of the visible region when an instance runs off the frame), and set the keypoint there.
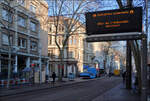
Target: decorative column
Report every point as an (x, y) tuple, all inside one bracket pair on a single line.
[(74, 69), (47, 70), (65, 70), (28, 62), (56, 69), (16, 64), (40, 67)]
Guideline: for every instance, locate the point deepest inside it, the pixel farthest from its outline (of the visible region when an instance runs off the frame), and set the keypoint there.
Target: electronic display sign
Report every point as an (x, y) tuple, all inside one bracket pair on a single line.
[(114, 21)]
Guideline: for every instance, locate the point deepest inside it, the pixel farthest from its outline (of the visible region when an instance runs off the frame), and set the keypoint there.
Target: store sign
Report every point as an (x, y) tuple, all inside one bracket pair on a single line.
[(114, 21)]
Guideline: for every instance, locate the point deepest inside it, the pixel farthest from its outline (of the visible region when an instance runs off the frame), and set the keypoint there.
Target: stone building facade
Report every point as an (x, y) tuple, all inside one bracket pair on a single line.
[(23, 38), (77, 51)]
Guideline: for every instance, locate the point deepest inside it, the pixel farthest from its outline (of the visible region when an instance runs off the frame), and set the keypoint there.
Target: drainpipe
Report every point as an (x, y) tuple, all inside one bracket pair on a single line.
[(40, 50)]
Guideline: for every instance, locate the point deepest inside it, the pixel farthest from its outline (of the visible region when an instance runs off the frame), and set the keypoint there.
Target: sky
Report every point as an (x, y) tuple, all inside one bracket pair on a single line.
[(112, 4)]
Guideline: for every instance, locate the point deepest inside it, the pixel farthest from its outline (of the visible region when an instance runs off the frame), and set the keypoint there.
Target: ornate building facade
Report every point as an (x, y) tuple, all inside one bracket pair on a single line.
[(77, 51), (23, 38)]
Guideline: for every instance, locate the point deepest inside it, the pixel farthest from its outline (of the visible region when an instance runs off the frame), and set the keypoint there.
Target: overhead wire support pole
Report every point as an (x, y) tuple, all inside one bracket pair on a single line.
[(144, 67), (128, 65), (9, 47), (147, 75)]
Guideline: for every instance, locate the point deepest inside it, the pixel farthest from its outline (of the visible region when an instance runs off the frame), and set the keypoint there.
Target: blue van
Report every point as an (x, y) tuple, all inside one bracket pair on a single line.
[(89, 72)]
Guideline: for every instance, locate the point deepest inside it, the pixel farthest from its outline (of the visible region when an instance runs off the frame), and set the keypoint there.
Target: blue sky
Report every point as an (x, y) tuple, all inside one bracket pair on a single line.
[(112, 4)]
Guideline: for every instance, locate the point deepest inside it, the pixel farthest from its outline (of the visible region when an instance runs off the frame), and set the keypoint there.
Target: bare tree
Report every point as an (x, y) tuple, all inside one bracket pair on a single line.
[(71, 14), (135, 47), (106, 48)]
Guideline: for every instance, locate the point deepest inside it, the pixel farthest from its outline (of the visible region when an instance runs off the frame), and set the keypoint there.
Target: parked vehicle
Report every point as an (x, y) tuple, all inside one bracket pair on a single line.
[(89, 72)]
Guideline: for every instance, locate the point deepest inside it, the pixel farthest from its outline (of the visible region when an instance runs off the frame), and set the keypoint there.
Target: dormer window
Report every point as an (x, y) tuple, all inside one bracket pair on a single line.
[(33, 8)]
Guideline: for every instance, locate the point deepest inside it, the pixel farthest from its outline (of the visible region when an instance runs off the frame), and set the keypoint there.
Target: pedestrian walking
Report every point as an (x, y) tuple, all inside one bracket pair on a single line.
[(53, 76), (124, 77), (135, 84)]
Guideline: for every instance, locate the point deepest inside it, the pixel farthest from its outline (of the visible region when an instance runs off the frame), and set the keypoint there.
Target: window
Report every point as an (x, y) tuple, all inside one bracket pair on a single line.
[(5, 39), (50, 29), (32, 26), (33, 46), (21, 21), (50, 53), (74, 40), (21, 2), (70, 41), (71, 54), (6, 16), (61, 28), (22, 43), (60, 40), (33, 8), (49, 39)]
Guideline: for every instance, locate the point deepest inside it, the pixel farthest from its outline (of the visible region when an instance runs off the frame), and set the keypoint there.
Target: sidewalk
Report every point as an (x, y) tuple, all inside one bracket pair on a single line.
[(119, 93), (29, 87)]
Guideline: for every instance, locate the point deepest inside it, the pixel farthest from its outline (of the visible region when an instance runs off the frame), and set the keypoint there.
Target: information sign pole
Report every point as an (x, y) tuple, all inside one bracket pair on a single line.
[(144, 68)]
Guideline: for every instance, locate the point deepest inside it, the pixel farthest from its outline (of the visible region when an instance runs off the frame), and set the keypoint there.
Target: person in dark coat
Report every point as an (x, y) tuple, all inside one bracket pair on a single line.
[(124, 76), (54, 76), (136, 82)]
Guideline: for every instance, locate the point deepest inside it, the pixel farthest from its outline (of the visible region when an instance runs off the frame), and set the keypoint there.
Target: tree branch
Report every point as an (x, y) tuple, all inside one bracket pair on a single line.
[(120, 4)]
